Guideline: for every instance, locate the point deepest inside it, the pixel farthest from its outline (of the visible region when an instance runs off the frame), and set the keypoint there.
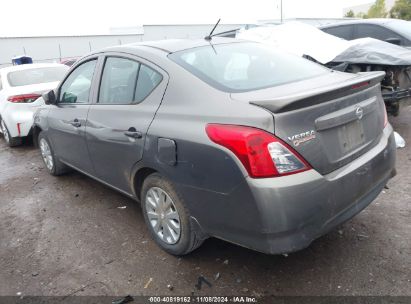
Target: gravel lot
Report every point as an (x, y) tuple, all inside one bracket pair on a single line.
[(67, 235)]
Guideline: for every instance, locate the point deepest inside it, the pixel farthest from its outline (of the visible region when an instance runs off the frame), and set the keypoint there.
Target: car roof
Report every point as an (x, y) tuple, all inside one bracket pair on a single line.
[(22, 67), (174, 45), (380, 21)]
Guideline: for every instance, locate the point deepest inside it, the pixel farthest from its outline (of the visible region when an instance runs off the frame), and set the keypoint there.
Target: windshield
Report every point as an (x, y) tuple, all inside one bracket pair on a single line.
[(36, 76), (240, 67), (402, 27)]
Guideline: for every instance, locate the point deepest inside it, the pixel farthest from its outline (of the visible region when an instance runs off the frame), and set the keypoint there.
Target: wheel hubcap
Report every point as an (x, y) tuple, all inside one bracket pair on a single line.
[(163, 215), (46, 154), (4, 130)]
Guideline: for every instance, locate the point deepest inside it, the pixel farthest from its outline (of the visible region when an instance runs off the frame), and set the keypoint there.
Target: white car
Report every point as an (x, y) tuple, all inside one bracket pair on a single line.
[(20, 89)]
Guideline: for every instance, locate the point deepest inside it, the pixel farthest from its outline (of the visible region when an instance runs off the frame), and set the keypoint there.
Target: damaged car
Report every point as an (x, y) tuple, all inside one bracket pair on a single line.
[(394, 31), (21, 87), (359, 55)]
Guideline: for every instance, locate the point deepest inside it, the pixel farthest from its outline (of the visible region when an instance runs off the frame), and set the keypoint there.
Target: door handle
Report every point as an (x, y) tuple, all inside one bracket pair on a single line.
[(75, 123), (133, 133)]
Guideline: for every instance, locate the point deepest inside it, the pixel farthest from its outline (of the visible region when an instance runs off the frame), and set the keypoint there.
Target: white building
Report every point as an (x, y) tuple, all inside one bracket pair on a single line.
[(57, 48)]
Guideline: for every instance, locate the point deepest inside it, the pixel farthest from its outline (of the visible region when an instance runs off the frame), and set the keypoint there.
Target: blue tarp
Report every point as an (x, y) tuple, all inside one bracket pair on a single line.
[(22, 60)]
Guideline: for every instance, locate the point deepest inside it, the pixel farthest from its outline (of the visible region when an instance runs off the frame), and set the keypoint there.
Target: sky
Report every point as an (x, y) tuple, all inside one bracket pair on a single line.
[(79, 17)]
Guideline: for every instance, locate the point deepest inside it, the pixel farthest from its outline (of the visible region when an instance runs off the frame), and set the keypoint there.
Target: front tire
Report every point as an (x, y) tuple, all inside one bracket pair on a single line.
[(53, 165), (167, 217), (11, 141)]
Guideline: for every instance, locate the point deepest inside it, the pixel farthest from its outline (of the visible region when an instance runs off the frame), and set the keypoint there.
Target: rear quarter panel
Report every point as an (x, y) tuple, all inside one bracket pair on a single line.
[(209, 178)]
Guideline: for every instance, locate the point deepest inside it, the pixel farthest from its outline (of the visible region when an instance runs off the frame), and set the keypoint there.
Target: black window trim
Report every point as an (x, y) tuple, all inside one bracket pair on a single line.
[(78, 64), (128, 57)]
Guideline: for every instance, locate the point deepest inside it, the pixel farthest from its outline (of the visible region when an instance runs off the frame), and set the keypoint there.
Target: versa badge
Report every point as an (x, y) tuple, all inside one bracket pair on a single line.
[(298, 139)]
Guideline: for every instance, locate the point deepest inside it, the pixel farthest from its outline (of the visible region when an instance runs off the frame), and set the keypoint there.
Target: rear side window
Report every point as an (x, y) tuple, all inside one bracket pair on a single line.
[(1, 84), (126, 81), (148, 79), (343, 31), (36, 76), (374, 31), (240, 67)]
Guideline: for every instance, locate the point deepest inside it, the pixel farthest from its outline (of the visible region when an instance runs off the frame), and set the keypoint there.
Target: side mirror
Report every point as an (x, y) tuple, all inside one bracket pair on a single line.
[(50, 98), (396, 41)]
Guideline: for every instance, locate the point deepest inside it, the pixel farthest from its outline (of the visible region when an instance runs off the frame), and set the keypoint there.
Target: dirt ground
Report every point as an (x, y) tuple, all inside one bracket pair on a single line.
[(68, 236)]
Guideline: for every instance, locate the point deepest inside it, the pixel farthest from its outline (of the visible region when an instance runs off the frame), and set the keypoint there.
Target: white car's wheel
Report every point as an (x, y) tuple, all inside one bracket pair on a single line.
[(11, 141)]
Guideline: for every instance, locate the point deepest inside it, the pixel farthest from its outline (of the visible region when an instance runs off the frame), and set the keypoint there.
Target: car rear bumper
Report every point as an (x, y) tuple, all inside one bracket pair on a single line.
[(281, 215), (20, 121)]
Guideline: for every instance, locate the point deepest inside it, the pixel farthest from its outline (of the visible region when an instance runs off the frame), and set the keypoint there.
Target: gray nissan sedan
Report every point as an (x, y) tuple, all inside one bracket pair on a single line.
[(222, 138)]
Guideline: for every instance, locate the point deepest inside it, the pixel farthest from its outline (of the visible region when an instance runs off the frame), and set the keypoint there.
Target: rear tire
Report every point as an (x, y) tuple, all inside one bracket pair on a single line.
[(168, 220), (53, 165), (11, 141)]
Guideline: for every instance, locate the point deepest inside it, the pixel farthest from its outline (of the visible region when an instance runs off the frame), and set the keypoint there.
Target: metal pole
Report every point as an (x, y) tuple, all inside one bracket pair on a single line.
[(281, 10)]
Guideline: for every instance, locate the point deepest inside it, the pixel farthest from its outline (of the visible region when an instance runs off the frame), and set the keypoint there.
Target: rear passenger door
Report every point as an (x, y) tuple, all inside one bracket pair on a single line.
[(131, 90)]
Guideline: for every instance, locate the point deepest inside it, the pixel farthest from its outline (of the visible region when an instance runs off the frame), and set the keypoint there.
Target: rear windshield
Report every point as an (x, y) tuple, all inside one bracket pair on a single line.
[(240, 67), (36, 76)]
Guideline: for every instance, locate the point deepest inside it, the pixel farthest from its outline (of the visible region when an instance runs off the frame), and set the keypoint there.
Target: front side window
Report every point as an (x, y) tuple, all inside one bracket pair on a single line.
[(76, 88), (247, 66), (126, 81)]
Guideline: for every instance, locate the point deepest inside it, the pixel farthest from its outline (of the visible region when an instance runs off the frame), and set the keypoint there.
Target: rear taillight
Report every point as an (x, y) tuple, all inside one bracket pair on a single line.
[(23, 98), (261, 153), (360, 85)]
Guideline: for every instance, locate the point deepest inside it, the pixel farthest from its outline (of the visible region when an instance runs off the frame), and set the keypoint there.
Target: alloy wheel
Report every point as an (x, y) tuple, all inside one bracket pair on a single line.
[(46, 154), (163, 215), (4, 131)]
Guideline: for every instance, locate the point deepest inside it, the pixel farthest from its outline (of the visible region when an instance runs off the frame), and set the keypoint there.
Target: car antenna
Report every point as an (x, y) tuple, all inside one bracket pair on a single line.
[(208, 38)]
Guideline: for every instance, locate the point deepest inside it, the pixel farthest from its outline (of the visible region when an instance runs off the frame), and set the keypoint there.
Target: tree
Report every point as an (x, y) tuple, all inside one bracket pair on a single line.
[(361, 15), (377, 10), (349, 14), (401, 10)]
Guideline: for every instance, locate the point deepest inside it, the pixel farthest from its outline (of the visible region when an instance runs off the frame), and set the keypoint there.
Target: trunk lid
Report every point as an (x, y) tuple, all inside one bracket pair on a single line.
[(330, 120)]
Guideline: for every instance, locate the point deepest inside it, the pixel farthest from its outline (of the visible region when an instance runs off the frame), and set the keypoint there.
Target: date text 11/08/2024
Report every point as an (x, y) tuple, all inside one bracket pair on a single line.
[(203, 299)]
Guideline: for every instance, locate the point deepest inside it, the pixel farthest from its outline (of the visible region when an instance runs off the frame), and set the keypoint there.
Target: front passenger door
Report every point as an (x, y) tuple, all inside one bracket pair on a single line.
[(67, 120)]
